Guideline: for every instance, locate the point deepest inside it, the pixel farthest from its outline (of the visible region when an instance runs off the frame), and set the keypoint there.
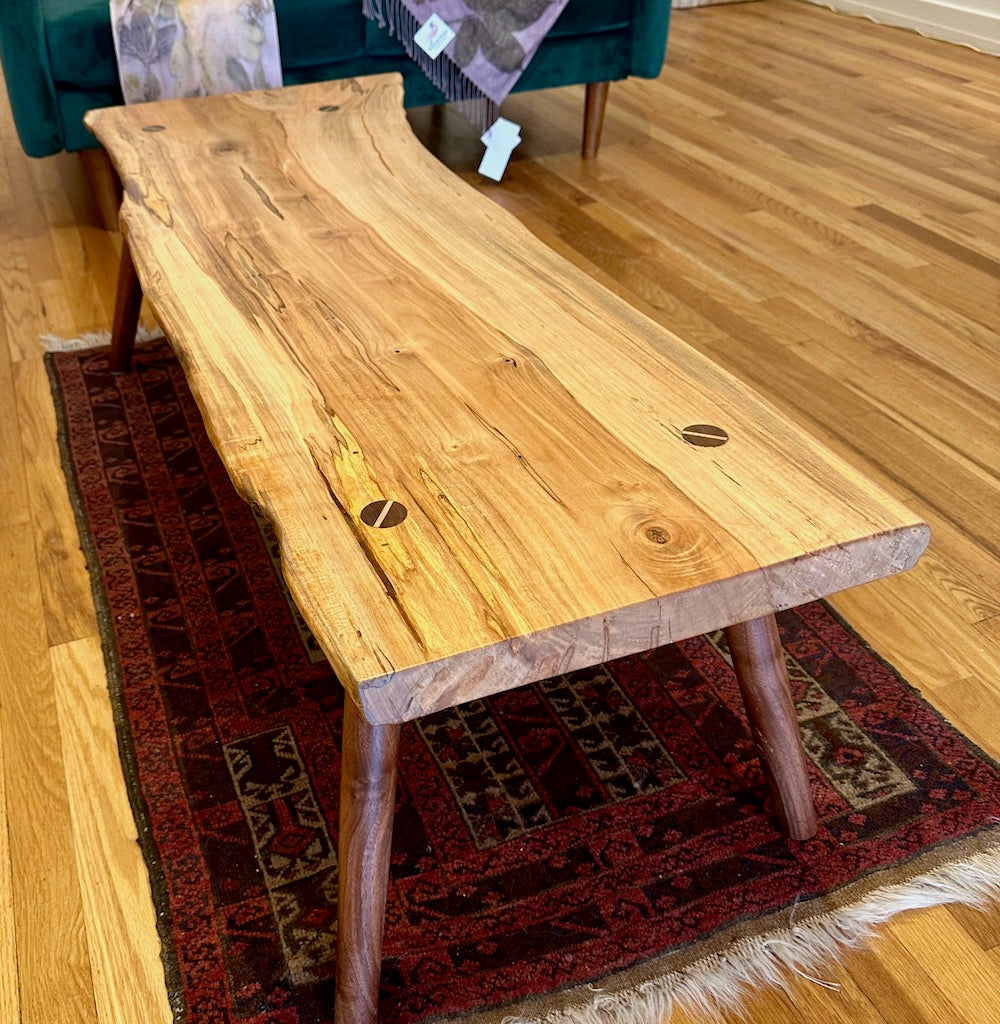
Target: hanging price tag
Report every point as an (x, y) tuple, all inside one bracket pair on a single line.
[(434, 35)]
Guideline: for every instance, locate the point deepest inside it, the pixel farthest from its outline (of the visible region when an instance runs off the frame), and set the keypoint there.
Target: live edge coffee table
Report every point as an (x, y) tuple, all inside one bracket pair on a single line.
[(483, 468)]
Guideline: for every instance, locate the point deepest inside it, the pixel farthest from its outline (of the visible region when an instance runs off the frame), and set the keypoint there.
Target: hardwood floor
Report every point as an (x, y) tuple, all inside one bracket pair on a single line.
[(811, 200)]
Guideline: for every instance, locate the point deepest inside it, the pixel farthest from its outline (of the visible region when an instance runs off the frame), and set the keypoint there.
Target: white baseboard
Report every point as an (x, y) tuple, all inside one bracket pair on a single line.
[(974, 23)]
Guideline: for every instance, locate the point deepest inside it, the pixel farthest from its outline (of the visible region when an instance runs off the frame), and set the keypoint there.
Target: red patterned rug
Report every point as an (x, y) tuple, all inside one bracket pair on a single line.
[(596, 840)]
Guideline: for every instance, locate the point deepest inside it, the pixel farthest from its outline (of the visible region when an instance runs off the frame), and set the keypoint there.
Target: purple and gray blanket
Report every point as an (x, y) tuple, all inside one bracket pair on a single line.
[(493, 44)]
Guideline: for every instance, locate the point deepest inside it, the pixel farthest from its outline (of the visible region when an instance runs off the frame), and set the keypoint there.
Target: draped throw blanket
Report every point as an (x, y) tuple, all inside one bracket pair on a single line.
[(171, 49), (493, 44)]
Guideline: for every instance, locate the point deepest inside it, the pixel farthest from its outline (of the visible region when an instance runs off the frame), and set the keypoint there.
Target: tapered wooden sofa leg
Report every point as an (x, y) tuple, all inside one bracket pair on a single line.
[(128, 302), (760, 668), (367, 802), (593, 117)]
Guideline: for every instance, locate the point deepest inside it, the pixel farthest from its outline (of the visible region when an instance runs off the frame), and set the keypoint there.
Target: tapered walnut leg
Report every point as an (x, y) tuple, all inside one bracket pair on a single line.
[(105, 185), (593, 117), (367, 800), (128, 301), (760, 668)]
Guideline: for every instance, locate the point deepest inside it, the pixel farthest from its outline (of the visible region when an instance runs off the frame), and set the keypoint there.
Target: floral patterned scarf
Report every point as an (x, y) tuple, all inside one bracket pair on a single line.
[(170, 49), (494, 42)]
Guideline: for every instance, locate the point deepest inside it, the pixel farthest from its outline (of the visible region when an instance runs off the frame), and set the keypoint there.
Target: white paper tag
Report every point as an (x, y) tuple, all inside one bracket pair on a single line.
[(434, 35), (501, 132), (500, 139)]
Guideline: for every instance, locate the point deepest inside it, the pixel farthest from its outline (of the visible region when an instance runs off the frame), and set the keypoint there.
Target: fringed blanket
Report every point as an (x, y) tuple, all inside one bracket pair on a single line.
[(170, 49), (493, 42)]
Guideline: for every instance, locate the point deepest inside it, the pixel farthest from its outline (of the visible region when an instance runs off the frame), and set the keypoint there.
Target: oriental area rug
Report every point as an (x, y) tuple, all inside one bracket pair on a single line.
[(596, 847)]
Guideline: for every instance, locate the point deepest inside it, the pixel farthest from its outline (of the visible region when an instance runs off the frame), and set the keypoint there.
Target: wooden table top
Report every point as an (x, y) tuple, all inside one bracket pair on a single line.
[(367, 335)]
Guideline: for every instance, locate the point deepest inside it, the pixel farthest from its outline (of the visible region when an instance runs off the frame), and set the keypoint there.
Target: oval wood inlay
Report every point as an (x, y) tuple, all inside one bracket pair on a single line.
[(705, 435), (380, 515)]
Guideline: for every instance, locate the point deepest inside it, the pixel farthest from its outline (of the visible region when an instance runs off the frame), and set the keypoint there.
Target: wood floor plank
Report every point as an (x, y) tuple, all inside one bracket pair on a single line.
[(773, 1005), (989, 630), (967, 976), (939, 335), (931, 240), (900, 987), (813, 131), (58, 308), (981, 924), (56, 985), (30, 255), (854, 144), (972, 705), (121, 926), (65, 582), (14, 508), (10, 999), (755, 163), (78, 267), (20, 308), (831, 994)]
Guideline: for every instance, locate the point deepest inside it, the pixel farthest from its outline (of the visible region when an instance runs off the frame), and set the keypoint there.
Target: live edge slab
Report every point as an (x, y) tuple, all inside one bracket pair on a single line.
[(483, 468)]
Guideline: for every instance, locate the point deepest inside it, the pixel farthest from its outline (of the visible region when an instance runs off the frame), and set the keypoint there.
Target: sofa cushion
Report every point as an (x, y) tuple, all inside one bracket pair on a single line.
[(310, 32), (78, 36)]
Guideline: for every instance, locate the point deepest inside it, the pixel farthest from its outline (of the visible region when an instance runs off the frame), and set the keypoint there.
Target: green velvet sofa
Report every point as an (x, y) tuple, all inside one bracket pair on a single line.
[(59, 62)]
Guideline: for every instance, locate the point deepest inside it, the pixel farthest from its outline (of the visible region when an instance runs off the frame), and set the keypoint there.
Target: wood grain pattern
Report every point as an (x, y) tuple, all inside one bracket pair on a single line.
[(961, 970), (67, 597), (19, 302), (759, 662), (345, 351), (48, 931), (669, 252), (128, 979), (14, 509), (367, 801), (897, 987), (10, 998)]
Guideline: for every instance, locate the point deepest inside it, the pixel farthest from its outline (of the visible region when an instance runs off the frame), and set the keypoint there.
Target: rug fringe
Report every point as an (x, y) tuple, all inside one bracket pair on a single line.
[(92, 339), (721, 981)]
